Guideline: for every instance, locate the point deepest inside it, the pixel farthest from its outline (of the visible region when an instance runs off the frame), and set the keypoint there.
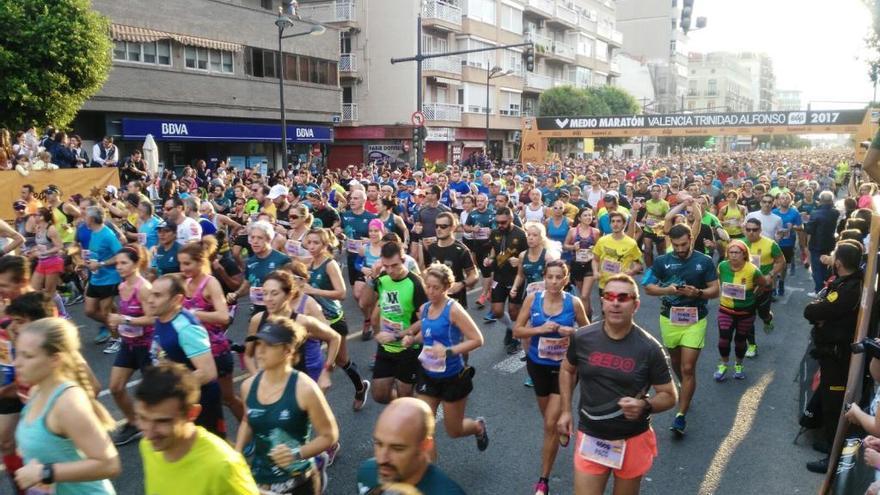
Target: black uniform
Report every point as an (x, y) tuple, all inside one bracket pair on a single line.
[(833, 315), (459, 259), (507, 244)]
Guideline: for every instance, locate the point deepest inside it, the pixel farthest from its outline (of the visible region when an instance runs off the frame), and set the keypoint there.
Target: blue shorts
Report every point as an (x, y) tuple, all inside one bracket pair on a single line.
[(133, 357)]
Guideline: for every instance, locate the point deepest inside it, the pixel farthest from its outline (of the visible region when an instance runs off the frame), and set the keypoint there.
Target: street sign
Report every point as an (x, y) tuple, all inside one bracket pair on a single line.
[(337, 119), (418, 119)]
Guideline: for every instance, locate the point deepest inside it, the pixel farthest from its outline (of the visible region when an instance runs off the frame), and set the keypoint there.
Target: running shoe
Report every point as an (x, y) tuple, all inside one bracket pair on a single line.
[(103, 335), (366, 334), (360, 396), (332, 452), (812, 295), (738, 372), (113, 346), (541, 488), (482, 438), (321, 462), (679, 424), (752, 350), (490, 317), (721, 373), (768, 327), (528, 382), (481, 301), (512, 347), (125, 434)]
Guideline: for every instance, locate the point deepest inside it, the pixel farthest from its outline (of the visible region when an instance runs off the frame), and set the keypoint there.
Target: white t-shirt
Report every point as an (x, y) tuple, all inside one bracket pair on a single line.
[(188, 231), (770, 224)]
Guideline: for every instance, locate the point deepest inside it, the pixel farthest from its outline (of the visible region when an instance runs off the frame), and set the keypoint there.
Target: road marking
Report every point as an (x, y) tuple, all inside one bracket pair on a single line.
[(510, 365)]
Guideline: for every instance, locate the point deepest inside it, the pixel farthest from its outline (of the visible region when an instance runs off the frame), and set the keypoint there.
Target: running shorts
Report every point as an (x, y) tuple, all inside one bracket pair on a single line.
[(133, 357), (403, 366), (545, 378), (692, 336), (637, 459), (449, 389)]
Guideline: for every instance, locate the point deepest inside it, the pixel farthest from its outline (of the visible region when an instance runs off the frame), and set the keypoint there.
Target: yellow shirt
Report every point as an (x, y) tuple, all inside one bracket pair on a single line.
[(570, 211), (615, 256)]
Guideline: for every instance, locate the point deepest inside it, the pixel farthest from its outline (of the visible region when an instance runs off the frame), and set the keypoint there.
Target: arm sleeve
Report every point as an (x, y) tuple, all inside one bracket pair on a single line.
[(194, 340)]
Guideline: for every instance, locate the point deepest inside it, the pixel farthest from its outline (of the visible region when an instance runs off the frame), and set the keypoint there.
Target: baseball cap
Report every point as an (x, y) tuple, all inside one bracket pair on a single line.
[(167, 226), (19, 205), (277, 191), (111, 189), (52, 189), (272, 334)]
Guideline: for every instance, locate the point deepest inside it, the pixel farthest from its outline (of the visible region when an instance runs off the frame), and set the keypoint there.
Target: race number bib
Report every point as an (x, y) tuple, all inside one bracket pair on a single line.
[(142, 238), (584, 255), (430, 362), (609, 266), (534, 287), (551, 348), (732, 222), (294, 248), (608, 453), (389, 326), (651, 222), (353, 245), (733, 291), (683, 315), (131, 331), (256, 295), (6, 354), (482, 233), (756, 260)]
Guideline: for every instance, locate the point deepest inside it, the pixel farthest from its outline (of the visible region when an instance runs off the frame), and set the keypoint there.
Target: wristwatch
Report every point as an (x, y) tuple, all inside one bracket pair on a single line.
[(648, 407), (126, 318), (47, 475), (449, 352)]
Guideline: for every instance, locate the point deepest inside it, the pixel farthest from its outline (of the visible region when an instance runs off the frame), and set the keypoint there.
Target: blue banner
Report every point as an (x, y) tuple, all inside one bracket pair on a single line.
[(196, 130)]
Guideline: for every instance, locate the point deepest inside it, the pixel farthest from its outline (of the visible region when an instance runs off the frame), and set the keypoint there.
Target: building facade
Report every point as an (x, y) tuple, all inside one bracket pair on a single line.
[(788, 99), (718, 82), (763, 79), (202, 76), (575, 43)]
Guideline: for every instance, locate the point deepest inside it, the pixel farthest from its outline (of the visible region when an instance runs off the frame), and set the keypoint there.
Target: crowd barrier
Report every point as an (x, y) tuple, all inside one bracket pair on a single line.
[(71, 181)]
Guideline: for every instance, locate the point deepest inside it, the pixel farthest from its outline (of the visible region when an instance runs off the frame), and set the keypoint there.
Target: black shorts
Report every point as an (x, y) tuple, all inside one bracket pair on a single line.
[(788, 252), (242, 242), (211, 417), (354, 275), (449, 389), (580, 271), (340, 326), (101, 291), (481, 251), (545, 378), (225, 364), (10, 406), (656, 238), (403, 366), (133, 357), (501, 293)]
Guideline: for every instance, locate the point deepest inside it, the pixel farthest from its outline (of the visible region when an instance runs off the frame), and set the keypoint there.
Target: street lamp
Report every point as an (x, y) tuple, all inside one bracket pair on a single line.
[(285, 20), (492, 74)]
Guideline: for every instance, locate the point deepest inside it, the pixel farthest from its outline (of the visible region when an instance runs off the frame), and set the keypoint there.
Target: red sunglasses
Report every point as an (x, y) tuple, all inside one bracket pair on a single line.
[(621, 297)]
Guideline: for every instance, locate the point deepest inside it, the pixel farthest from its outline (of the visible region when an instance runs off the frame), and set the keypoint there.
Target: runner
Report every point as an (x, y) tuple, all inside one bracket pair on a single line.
[(447, 333), (616, 252), (792, 231), (165, 259), (655, 209), (355, 226), (766, 254), (300, 222), (685, 280), (288, 417), (455, 255), (552, 319), (262, 261), (369, 255), (614, 431), (480, 223), (49, 254), (508, 241), (102, 248), (580, 240)]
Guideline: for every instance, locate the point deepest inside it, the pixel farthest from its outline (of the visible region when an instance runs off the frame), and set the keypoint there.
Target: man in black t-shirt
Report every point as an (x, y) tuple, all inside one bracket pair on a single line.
[(507, 241), (616, 363), (328, 216), (453, 254)]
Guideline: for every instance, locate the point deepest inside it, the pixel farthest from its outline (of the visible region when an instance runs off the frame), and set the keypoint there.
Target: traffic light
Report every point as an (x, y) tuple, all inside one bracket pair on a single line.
[(687, 9), (418, 136), (530, 58)]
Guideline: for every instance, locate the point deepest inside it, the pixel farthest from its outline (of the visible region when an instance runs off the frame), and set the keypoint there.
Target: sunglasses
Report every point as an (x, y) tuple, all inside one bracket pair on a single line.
[(753, 230), (295, 217), (443, 225), (621, 297)]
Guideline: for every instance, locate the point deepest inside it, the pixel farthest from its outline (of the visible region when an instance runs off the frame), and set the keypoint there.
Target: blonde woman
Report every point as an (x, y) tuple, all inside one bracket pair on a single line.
[(300, 224)]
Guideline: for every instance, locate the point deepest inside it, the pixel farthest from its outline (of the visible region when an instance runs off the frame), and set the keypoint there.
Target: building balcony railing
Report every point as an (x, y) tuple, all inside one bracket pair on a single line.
[(451, 64), (538, 81), (348, 62), (614, 66), (544, 6), (509, 112), (586, 24), (543, 43), (349, 112), (443, 11), (563, 50), (442, 111), (339, 11), (566, 14), (530, 112)]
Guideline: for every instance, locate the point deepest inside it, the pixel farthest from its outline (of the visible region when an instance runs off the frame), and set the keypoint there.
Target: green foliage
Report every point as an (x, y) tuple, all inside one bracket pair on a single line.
[(568, 101), (54, 55), (619, 101)]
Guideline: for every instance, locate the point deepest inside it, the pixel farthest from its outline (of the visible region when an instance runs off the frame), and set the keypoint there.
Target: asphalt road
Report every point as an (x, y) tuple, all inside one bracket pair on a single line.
[(739, 437)]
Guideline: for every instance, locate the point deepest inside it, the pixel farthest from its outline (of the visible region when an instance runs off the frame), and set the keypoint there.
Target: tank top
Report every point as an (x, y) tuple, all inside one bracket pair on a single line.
[(311, 359), (198, 302), (369, 258), (548, 349), (137, 336), (534, 215), (319, 279), (559, 234), (440, 330), (62, 224), (732, 220), (43, 244), (584, 252), (295, 248), (36, 441), (534, 272), (282, 421), (30, 238), (391, 226)]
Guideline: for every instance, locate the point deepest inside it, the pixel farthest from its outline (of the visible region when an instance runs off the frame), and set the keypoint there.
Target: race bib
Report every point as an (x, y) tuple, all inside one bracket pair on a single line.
[(609, 266), (142, 238), (553, 349), (482, 233), (733, 291), (295, 249), (353, 245), (389, 326), (430, 362), (583, 255), (683, 315), (534, 287), (756, 260), (256, 295), (131, 331), (40, 489), (608, 453), (6, 354), (651, 222), (732, 222)]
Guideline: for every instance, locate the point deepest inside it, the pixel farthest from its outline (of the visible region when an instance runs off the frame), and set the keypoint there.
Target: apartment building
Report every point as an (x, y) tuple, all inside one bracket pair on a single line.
[(201, 76), (763, 79), (575, 44), (718, 82), (788, 99)]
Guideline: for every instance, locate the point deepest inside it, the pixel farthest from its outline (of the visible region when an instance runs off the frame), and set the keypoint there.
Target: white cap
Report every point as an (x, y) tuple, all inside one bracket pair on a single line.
[(111, 189), (277, 191)]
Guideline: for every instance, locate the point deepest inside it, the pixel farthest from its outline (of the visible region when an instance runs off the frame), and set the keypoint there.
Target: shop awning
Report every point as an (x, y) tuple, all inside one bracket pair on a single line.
[(136, 34)]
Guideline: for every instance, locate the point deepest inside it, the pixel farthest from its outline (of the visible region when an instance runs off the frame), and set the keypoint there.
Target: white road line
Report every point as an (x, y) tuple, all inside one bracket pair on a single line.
[(510, 365)]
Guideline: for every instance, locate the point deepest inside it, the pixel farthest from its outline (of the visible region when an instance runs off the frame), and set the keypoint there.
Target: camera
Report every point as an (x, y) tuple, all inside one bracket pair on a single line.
[(869, 346)]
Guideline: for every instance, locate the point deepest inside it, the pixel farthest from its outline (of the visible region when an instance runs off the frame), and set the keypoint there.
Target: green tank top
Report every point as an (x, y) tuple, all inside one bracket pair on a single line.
[(319, 279)]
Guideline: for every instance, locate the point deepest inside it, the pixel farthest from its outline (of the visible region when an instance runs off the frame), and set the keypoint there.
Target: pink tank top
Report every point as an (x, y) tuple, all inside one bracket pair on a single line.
[(198, 302), (135, 335)]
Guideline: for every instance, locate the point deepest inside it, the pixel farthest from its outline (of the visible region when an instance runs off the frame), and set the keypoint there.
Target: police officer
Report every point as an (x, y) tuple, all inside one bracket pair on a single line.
[(833, 315)]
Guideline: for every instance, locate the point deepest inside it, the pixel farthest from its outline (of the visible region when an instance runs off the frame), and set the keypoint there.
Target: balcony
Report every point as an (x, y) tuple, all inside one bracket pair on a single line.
[(510, 111), (562, 50), (566, 16), (442, 111), (617, 37), (349, 112), (587, 24), (543, 43), (614, 66), (450, 65), (441, 15), (539, 82), (347, 63), (544, 8), (342, 11)]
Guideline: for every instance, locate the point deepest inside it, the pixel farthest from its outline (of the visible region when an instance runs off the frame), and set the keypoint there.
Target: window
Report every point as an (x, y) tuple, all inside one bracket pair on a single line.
[(510, 104), (262, 63), (474, 97), (291, 64), (692, 104), (585, 46), (601, 50), (511, 19), (196, 57), (692, 88), (217, 60), (481, 10), (482, 60), (433, 44), (152, 52), (713, 87), (269, 63), (270, 4), (512, 60)]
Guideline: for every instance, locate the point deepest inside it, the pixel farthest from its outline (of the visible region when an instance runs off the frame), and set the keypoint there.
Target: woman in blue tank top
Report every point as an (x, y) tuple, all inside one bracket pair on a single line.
[(286, 414), (552, 318), (48, 357), (530, 273), (558, 225), (447, 333)]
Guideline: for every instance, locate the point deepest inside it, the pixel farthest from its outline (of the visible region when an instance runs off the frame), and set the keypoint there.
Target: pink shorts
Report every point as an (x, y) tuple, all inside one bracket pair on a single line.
[(637, 459), (50, 265)]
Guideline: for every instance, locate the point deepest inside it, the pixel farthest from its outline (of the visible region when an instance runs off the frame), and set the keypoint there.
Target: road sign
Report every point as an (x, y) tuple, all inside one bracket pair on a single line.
[(418, 119), (337, 119)]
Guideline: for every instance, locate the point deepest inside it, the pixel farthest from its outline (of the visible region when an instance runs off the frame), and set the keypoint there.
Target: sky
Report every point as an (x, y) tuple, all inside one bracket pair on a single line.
[(817, 46)]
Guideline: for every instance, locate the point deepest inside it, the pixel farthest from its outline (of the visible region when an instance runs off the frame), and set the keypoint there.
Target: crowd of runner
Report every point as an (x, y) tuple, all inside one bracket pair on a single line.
[(164, 264)]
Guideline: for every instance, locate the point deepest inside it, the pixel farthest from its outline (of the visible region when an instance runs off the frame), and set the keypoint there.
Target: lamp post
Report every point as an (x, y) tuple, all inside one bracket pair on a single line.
[(492, 74), (285, 20)]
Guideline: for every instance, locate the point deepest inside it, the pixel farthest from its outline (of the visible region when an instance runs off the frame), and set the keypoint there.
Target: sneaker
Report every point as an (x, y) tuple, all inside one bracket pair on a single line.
[(512, 347), (125, 434), (812, 295), (768, 327), (820, 466), (482, 438), (679, 424), (528, 382), (738, 372), (321, 463), (70, 301), (360, 397), (490, 317), (721, 373), (752, 350), (366, 334), (541, 488), (113, 346), (332, 452), (103, 335), (481, 301)]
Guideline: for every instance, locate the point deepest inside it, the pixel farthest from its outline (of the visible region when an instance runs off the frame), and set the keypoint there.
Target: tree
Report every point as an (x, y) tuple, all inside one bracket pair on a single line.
[(568, 101), (619, 102), (53, 57)]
